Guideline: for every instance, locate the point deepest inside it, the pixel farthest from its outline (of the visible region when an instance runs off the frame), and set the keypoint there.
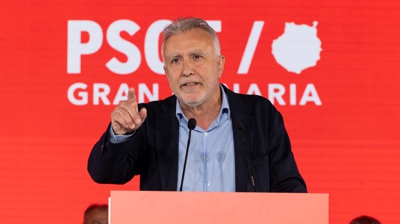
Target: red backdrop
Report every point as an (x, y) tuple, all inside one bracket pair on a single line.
[(345, 137)]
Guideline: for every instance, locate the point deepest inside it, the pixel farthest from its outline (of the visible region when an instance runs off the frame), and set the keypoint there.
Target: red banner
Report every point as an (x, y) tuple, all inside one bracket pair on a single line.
[(331, 69)]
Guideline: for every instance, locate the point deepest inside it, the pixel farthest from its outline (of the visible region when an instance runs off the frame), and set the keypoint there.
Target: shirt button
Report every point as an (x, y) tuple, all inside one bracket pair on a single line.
[(207, 159), (205, 133), (208, 183)]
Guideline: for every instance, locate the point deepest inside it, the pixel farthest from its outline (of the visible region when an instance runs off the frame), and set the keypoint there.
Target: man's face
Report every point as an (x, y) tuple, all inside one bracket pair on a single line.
[(97, 216), (192, 67)]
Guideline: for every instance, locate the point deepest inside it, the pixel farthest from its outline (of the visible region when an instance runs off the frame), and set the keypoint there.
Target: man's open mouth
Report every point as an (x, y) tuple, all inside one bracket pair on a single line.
[(190, 84)]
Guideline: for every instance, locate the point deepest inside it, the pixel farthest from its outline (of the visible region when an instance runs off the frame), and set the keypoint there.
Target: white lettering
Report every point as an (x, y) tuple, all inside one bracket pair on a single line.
[(130, 50), (100, 91), (236, 88), (151, 47), (122, 94), (310, 95), (215, 24), (292, 94), (250, 47), (83, 95), (74, 46), (144, 91), (78, 95), (254, 90), (276, 91)]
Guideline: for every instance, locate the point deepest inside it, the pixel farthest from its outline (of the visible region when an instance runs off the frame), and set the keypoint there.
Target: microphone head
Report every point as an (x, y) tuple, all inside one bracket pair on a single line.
[(191, 123), (239, 125)]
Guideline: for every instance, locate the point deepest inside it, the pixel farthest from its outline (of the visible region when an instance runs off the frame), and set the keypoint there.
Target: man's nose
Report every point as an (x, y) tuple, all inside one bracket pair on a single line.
[(187, 68)]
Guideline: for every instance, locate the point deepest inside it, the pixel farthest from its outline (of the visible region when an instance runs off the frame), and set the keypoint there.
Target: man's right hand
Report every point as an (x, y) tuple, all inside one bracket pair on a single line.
[(126, 118)]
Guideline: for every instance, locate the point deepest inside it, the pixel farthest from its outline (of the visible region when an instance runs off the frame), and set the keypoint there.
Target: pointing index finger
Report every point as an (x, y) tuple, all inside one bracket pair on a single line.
[(131, 96)]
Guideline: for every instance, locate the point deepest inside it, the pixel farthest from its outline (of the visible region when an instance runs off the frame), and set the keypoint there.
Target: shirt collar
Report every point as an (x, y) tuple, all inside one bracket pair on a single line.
[(224, 107)]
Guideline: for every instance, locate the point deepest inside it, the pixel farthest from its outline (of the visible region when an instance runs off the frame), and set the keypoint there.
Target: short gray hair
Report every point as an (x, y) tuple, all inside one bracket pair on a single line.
[(182, 25)]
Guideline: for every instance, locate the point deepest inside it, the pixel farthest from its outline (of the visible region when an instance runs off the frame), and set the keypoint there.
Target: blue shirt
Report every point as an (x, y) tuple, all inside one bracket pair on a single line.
[(211, 159), (210, 164)]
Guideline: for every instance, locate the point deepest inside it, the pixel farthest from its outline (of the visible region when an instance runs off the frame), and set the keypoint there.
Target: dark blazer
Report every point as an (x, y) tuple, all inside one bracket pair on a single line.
[(153, 151)]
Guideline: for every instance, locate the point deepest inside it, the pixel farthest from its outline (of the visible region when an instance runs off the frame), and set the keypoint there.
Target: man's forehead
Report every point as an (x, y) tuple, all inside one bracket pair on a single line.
[(188, 45), (190, 31), (189, 42), (188, 52), (190, 36)]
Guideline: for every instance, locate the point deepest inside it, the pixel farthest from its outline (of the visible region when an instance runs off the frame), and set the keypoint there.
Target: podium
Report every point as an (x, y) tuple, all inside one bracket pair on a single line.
[(217, 207)]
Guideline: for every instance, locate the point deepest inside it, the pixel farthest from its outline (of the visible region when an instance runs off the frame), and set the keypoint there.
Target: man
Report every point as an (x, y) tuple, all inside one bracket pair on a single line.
[(96, 214), (364, 220), (150, 139)]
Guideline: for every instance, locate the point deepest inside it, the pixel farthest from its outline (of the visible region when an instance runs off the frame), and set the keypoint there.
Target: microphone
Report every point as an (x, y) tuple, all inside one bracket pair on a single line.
[(239, 126), (191, 126)]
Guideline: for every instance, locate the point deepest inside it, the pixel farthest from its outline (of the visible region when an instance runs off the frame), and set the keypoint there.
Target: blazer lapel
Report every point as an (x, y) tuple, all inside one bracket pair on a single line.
[(167, 143), (238, 109)]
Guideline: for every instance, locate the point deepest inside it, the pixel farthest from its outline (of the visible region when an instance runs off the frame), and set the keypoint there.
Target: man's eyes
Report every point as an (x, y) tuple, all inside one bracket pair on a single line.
[(197, 56), (175, 60)]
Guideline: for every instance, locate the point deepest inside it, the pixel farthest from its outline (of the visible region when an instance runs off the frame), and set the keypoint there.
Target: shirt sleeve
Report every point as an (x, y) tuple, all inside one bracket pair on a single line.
[(119, 138)]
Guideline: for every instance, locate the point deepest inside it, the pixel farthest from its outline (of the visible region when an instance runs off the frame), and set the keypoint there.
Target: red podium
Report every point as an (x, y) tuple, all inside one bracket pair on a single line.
[(204, 207)]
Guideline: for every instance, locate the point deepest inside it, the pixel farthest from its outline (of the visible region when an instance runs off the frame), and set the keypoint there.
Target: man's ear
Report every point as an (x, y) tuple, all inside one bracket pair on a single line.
[(165, 70), (221, 65)]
